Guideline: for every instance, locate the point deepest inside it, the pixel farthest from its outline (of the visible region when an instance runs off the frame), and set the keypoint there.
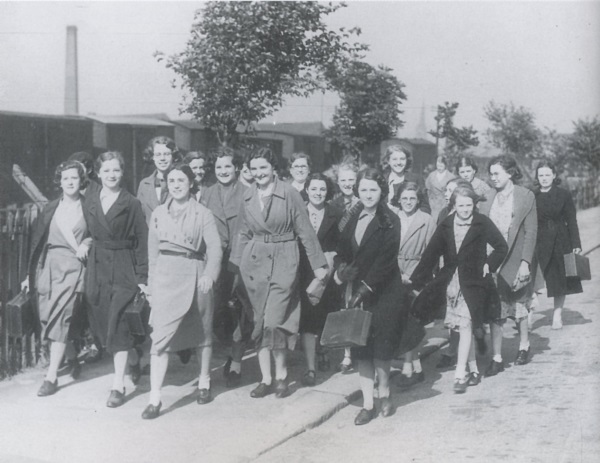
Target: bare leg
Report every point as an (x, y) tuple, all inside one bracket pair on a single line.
[(264, 361), (158, 369), (120, 363), (57, 351), (309, 344), (366, 372)]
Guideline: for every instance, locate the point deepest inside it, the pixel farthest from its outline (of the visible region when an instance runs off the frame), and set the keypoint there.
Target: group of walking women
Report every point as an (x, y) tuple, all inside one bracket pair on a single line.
[(241, 257)]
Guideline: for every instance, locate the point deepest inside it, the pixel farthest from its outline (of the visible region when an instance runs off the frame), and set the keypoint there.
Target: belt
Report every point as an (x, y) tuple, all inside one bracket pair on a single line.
[(186, 255), (281, 238), (116, 245)]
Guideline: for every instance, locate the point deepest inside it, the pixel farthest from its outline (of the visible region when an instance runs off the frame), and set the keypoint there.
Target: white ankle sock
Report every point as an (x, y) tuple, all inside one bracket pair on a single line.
[(416, 364), (236, 367), (407, 369), (497, 358), (523, 346)]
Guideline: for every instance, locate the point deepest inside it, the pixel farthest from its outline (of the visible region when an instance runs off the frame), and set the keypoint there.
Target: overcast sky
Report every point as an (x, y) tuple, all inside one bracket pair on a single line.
[(541, 55)]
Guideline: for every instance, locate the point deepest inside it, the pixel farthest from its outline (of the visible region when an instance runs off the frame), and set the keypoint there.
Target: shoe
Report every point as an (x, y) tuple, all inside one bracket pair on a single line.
[(522, 357), (474, 379), (227, 367), (494, 368), (281, 388), (260, 391), (204, 396), (323, 363), (94, 355), (75, 368), (404, 382), (185, 356), (116, 398), (446, 361), (364, 416), (309, 378), (345, 368), (460, 385), (151, 411), (387, 407), (234, 379), (47, 388)]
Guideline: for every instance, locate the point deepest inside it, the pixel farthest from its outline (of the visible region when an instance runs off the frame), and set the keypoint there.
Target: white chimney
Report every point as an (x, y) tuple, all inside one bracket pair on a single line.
[(71, 79)]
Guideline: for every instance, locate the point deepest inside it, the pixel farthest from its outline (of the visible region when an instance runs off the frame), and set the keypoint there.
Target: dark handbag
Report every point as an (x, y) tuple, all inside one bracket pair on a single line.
[(19, 315), (137, 315), (577, 265), (346, 328)]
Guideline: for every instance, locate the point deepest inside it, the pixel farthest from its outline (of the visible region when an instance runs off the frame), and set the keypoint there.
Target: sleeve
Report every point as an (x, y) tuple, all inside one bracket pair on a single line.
[(241, 238), (153, 250), (530, 226), (570, 217), (140, 230), (386, 261), (423, 273), (423, 196), (495, 239), (214, 251), (305, 231)]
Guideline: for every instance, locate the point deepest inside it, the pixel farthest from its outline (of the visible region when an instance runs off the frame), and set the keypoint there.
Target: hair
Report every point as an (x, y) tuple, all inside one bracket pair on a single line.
[(550, 165), (187, 170), (81, 171), (397, 149), (376, 176), (466, 161), (86, 159), (224, 151), (464, 191), (300, 155), (509, 164), (458, 181), (443, 159), (264, 153), (161, 140), (109, 156), (324, 178), (406, 186)]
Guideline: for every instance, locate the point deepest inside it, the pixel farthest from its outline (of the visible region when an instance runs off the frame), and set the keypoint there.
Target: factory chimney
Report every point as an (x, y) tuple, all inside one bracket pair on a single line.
[(71, 79)]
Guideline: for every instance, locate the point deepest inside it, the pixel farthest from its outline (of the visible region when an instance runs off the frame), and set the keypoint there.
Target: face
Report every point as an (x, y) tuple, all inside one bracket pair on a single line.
[(300, 170), (225, 170), (545, 177), (440, 165), (450, 187), (262, 171), (408, 201), (464, 207), (70, 182), (466, 172), (246, 174), (346, 181), (500, 178), (317, 191), (111, 173), (397, 162), (197, 166), (178, 184), (163, 157), (369, 193)]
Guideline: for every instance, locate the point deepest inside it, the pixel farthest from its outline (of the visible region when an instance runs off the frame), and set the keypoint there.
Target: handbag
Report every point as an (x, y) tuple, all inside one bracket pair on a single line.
[(577, 265), (138, 315), (19, 315), (346, 328)]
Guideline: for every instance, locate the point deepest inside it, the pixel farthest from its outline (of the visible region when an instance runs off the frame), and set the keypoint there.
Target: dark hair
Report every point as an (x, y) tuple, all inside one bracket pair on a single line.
[(83, 179), (264, 153), (109, 156), (442, 159), (397, 149), (406, 186), (550, 165), (509, 164), (376, 176), (224, 151), (466, 161), (187, 170), (324, 178), (300, 155), (86, 159), (161, 140), (460, 182), (469, 192)]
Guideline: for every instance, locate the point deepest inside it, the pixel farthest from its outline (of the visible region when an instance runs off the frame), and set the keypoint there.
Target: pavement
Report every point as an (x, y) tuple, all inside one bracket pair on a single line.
[(75, 425)]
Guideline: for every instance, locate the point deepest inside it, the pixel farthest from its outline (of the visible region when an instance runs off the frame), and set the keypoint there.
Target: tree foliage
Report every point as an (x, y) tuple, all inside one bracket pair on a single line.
[(584, 144), (369, 110), (458, 139), (244, 58)]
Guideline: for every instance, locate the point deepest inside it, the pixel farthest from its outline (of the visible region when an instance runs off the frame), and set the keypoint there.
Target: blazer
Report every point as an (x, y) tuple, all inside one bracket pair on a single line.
[(147, 195)]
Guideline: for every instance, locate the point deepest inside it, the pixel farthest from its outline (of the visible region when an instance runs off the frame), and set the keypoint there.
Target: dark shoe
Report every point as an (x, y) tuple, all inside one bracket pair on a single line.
[(151, 411), (234, 379), (387, 407), (185, 356), (494, 368), (446, 361), (309, 378), (93, 355), (522, 357), (47, 388), (404, 382), (323, 363), (364, 416), (227, 367), (281, 388), (344, 368), (116, 398), (474, 379), (260, 391), (204, 396), (75, 368), (460, 385)]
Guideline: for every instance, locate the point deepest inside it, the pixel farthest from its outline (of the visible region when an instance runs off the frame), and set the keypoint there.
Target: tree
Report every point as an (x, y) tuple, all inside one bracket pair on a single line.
[(458, 140), (369, 110), (584, 144), (244, 58)]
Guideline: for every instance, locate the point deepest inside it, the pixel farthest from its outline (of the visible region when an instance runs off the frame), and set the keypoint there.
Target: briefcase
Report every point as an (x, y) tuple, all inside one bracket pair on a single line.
[(137, 315), (19, 315), (577, 265), (346, 328)]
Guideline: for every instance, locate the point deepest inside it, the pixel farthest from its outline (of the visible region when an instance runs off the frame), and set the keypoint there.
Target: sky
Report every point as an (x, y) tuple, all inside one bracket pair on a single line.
[(544, 56)]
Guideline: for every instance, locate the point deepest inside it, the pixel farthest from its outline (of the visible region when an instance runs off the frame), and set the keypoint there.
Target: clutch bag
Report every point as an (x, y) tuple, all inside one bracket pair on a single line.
[(138, 314), (577, 265), (19, 315), (346, 328)]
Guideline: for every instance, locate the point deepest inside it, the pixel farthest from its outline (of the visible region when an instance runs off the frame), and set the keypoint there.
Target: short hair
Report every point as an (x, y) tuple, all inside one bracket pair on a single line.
[(375, 175), (109, 156), (264, 153), (397, 149), (324, 178), (300, 155), (550, 165), (224, 151), (191, 155), (509, 164), (66, 165), (460, 182), (187, 170), (443, 159), (406, 186), (161, 140), (86, 159), (466, 161), (468, 192)]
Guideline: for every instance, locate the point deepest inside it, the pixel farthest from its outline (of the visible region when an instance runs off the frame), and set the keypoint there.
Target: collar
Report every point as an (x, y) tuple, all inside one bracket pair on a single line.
[(313, 210), (364, 214), (508, 190), (395, 178), (462, 223)]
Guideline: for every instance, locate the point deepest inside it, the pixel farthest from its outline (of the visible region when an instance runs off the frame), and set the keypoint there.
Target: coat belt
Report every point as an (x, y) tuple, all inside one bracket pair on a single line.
[(185, 254), (290, 236)]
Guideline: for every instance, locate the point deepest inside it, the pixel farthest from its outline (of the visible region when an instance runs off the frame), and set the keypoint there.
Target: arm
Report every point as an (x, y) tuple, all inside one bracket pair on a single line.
[(305, 231), (530, 226), (495, 239), (214, 251), (429, 259), (140, 231), (423, 196), (386, 261), (570, 216), (241, 238), (153, 251)]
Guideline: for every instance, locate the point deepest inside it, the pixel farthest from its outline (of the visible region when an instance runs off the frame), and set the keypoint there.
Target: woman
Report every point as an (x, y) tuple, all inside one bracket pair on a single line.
[(558, 234), (466, 168), (464, 282), (324, 219), (184, 253), (117, 268), (246, 177), (273, 219), (299, 170), (417, 227), (200, 165), (367, 262), (60, 246), (436, 185)]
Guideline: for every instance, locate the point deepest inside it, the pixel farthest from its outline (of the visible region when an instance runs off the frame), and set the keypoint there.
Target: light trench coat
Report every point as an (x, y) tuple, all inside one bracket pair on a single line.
[(414, 241)]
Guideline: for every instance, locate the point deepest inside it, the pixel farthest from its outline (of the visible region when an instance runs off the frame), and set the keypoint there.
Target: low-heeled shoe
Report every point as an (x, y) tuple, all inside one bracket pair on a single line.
[(204, 396), (345, 368), (281, 388), (151, 411), (494, 368), (474, 379), (446, 361), (323, 363), (260, 391), (93, 356), (364, 416), (404, 382), (75, 368), (460, 385), (48, 388), (522, 357), (115, 399), (310, 378), (387, 407)]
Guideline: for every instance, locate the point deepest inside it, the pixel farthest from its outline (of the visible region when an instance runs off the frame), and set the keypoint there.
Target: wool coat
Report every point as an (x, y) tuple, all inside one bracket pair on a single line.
[(267, 254), (468, 261), (414, 240), (422, 192), (436, 189), (558, 234), (117, 263), (147, 195)]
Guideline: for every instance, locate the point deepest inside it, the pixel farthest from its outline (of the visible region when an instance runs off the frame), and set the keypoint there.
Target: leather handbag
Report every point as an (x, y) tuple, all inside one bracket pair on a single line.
[(346, 328), (577, 265), (138, 314), (19, 315)]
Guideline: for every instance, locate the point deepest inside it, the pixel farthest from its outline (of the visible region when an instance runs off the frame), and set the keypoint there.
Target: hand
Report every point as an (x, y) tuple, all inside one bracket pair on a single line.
[(25, 285), (406, 280), (205, 284), (143, 288), (523, 274), (362, 291), (321, 273), (82, 252), (347, 272), (329, 258), (486, 270), (577, 251)]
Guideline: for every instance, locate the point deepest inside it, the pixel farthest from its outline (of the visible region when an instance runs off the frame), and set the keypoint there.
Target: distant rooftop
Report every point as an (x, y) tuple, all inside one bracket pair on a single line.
[(314, 129), (45, 116), (130, 120)]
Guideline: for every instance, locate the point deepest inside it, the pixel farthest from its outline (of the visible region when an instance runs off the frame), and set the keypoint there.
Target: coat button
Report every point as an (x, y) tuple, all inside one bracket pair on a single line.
[(254, 257), (268, 278), (251, 278)]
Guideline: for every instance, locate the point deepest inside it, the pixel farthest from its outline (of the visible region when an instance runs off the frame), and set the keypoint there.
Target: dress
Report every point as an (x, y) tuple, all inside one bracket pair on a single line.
[(436, 189), (182, 247), (558, 234)]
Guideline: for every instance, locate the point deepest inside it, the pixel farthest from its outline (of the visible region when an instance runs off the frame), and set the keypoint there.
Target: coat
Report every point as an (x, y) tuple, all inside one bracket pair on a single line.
[(414, 241), (422, 193), (117, 263), (558, 234), (266, 252), (468, 261), (147, 195), (436, 190)]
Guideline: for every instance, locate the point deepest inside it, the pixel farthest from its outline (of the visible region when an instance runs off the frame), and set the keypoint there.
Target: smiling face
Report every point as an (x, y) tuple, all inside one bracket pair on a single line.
[(409, 201), (179, 185), (545, 177), (346, 181), (111, 173), (197, 166), (466, 172), (500, 178), (163, 157), (369, 194), (300, 170), (397, 162), (317, 191), (70, 182), (464, 207), (262, 171), (225, 170)]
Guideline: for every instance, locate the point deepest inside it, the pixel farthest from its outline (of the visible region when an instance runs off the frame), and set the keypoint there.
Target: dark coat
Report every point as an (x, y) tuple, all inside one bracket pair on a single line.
[(422, 192), (146, 193), (468, 261), (558, 234), (117, 263), (39, 237)]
